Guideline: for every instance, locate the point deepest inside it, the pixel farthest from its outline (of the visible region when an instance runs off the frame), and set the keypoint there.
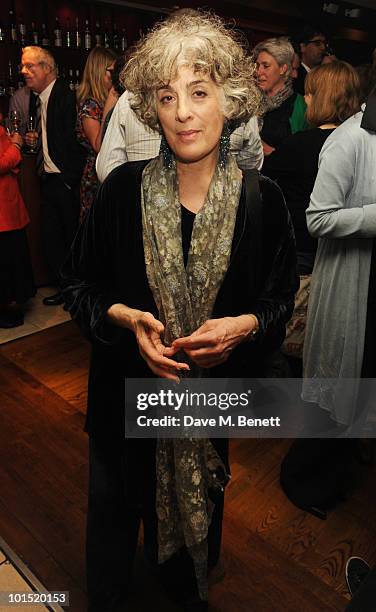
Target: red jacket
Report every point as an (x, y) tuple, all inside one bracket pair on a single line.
[(13, 213)]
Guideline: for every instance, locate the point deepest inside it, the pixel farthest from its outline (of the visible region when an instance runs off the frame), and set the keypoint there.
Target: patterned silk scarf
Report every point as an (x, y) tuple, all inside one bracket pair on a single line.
[(187, 468)]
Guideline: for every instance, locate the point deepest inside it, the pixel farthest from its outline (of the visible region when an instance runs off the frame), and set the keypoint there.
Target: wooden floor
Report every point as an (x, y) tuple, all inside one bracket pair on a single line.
[(277, 558)]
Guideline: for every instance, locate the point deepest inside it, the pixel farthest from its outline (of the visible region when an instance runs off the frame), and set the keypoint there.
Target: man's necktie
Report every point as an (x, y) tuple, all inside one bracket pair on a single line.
[(38, 128)]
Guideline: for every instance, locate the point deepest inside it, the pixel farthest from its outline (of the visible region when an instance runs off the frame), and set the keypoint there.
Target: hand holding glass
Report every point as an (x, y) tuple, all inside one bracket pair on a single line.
[(31, 137)]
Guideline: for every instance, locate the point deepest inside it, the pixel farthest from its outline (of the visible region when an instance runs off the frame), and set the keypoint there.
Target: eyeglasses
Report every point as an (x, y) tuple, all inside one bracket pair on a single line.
[(29, 67), (318, 42)]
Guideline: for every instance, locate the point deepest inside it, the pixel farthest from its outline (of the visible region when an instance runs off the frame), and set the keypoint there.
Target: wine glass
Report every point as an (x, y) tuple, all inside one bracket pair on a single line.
[(14, 121), (32, 134)]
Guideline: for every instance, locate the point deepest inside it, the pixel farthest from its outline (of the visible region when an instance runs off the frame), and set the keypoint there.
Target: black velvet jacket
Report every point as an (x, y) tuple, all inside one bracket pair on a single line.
[(106, 266)]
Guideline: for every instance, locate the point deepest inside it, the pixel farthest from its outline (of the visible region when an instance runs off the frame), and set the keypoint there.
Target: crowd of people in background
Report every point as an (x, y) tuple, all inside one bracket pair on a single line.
[(306, 122)]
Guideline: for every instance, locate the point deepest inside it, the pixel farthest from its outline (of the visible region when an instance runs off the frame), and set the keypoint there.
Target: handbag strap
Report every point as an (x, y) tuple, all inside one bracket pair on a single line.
[(254, 212)]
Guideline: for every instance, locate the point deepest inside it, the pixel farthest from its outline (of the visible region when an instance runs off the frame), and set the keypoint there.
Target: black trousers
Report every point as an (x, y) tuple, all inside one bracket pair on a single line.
[(122, 494), (364, 599), (59, 218)]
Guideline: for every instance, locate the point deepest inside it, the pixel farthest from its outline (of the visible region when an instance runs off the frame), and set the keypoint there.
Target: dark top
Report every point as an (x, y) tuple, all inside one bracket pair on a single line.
[(369, 115), (276, 123), (107, 266), (63, 147), (294, 166), (298, 83), (369, 352), (187, 221)]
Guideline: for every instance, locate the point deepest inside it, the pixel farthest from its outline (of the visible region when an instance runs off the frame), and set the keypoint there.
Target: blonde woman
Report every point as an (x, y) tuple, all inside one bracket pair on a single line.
[(91, 96)]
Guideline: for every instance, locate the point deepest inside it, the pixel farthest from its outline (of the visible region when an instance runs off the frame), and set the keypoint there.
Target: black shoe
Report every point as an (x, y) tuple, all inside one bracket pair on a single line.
[(11, 319), (356, 571), (53, 300)]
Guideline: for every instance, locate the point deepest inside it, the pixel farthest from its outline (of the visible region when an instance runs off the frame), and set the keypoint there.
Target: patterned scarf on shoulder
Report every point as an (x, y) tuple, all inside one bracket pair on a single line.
[(270, 103)]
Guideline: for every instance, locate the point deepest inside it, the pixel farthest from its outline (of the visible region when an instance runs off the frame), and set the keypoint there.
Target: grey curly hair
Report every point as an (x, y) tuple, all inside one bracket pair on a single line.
[(280, 48), (199, 41)]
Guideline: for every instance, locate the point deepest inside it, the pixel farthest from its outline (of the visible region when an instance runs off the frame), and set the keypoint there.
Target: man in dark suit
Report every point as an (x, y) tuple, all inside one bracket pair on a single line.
[(312, 46), (59, 160)]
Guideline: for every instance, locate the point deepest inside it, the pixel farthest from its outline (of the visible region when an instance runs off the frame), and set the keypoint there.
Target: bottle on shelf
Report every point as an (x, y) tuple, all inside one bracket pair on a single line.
[(11, 87), (61, 72), (12, 27), (98, 35), (22, 32), (71, 83), (76, 85), (34, 34), (87, 38), (123, 42), (68, 35), (77, 35), (115, 38), (58, 38), (2, 34), (45, 39), (106, 36)]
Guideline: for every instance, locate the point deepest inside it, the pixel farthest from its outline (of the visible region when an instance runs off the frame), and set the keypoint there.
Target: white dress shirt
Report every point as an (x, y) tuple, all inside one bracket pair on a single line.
[(49, 165), (127, 139)]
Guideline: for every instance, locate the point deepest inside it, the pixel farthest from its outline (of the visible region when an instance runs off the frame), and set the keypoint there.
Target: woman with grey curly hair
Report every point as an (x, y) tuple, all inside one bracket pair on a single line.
[(283, 109), (211, 50), (181, 269)]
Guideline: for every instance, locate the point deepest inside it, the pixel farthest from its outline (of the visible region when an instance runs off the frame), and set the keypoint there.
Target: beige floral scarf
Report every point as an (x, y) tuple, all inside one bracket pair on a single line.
[(187, 468)]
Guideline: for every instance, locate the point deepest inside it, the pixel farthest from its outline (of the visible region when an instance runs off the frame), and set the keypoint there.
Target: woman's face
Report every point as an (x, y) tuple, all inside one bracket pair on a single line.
[(270, 75), (190, 111), (108, 75)]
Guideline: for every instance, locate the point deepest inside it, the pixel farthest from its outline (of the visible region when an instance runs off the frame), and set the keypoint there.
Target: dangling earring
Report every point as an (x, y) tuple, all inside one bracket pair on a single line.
[(168, 157), (224, 146)]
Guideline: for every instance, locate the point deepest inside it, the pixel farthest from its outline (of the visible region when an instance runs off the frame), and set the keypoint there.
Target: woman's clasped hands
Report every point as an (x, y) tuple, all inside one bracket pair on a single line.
[(208, 346), (212, 343)]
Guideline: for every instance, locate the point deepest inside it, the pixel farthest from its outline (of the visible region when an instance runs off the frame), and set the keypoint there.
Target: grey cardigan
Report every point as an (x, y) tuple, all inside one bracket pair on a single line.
[(342, 214)]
